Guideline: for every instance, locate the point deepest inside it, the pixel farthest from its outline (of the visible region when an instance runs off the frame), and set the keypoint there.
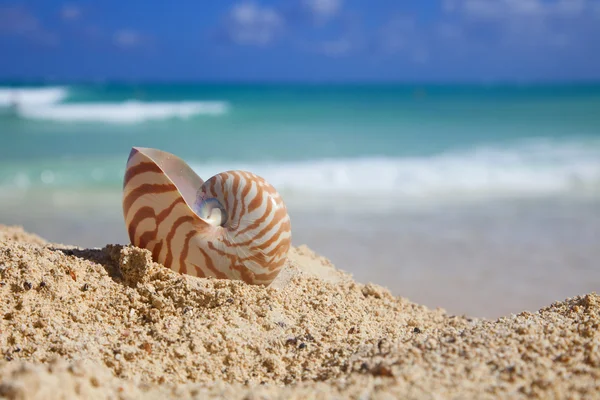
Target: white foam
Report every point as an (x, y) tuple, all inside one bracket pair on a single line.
[(370, 185), (31, 96), (538, 170), (127, 112)]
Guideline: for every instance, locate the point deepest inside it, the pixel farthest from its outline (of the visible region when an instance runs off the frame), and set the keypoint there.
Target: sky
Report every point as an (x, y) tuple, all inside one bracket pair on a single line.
[(301, 40)]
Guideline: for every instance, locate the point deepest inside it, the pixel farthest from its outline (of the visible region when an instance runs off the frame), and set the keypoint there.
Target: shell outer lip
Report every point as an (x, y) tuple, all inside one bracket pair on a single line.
[(176, 170)]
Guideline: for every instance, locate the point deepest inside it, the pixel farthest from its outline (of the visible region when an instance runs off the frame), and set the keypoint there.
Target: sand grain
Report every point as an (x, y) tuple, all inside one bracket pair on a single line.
[(110, 323)]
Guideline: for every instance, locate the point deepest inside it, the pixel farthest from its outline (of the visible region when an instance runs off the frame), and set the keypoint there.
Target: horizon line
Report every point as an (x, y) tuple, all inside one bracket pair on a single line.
[(323, 82)]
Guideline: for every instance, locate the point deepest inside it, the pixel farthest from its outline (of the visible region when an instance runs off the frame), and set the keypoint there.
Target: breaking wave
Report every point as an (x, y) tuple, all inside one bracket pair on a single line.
[(127, 112), (26, 97), (371, 184)]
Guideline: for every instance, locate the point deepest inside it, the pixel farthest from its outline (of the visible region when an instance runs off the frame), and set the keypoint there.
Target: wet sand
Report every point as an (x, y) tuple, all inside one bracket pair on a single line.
[(485, 259)]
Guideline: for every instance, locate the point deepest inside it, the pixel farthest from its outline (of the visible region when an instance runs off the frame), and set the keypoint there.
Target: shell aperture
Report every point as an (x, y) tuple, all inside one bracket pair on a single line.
[(211, 210), (233, 226)]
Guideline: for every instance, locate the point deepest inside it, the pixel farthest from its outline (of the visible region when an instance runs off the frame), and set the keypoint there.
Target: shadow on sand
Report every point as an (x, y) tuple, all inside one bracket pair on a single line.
[(107, 256)]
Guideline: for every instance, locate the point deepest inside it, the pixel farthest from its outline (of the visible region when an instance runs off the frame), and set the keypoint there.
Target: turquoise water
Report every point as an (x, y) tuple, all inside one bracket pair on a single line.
[(397, 141), (480, 199)]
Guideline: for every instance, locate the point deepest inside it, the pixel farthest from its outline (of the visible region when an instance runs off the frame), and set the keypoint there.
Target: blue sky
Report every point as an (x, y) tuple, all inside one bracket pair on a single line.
[(301, 40)]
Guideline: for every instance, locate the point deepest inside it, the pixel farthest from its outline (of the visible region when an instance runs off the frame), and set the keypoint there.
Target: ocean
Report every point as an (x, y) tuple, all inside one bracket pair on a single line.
[(481, 199)]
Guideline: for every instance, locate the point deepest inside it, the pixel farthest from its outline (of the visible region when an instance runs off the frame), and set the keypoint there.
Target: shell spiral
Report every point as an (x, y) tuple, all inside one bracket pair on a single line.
[(233, 226)]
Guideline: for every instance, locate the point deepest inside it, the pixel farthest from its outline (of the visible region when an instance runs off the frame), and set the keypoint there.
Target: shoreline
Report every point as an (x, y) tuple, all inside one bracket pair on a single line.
[(485, 260), (109, 322)]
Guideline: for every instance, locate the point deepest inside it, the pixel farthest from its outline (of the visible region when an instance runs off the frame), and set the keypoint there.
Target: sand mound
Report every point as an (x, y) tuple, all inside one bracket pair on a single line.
[(110, 323)]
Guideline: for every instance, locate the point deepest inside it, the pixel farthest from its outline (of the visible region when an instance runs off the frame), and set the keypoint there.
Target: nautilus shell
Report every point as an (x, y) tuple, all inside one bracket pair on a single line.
[(233, 226)]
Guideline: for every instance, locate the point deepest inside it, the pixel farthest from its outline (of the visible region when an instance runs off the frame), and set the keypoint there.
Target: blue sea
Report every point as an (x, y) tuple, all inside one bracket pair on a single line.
[(481, 199)]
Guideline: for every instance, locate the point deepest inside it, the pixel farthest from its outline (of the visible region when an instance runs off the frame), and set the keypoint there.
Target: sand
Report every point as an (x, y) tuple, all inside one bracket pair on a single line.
[(111, 324)]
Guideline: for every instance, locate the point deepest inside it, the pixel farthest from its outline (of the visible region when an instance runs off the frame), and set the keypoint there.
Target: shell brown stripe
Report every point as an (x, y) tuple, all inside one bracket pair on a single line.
[(224, 191), (148, 236), (274, 237), (184, 251), (257, 200), (274, 221), (269, 254), (146, 188), (230, 257), (255, 203), (211, 186), (257, 257), (199, 272), (140, 215), (247, 275), (268, 276), (245, 191), (140, 168), (180, 221), (236, 188), (156, 250), (210, 265), (261, 257)]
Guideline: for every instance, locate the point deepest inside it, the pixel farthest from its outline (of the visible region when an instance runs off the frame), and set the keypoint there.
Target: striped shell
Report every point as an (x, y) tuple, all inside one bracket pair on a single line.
[(233, 226)]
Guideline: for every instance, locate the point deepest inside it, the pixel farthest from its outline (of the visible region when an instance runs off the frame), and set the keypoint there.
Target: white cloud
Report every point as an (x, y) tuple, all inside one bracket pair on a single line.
[(127, 38), (492, 9), (70, 12), (18, 21), (520, 24), (251, 24), (449, 5), (573, 7), (503, 9), (323, 10)]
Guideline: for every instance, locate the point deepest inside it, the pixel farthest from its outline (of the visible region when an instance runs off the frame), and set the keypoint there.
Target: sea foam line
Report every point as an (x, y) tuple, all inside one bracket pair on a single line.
[(484, 173), (127, 112), (370, 184), (32, 96)]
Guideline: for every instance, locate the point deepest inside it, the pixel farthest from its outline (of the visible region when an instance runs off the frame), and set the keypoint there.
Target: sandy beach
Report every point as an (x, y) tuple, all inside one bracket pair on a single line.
[(416, 185), (110, 323)]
